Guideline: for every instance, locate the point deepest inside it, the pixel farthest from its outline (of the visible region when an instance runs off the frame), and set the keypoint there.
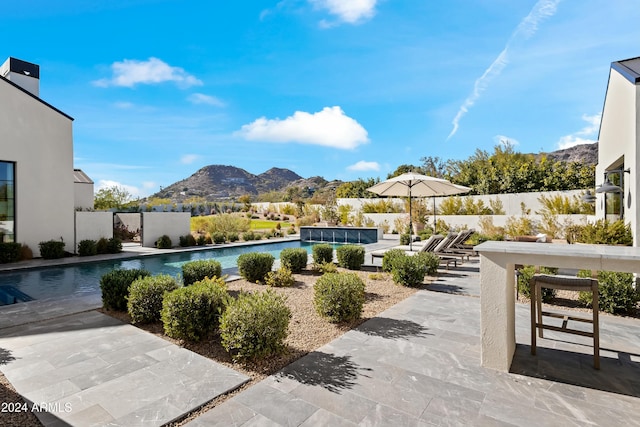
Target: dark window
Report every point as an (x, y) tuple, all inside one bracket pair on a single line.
[(7, 202)]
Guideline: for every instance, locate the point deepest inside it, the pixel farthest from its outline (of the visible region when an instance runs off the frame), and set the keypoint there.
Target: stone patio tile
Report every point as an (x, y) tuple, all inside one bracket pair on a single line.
[(386, 416), (154, 414), (326, 418), (285, 409), (231, 413), (343, 403), (523, 413), (465, 411), (110, 372), (93, 415), (56, 391), (408, 401), (433, 387)]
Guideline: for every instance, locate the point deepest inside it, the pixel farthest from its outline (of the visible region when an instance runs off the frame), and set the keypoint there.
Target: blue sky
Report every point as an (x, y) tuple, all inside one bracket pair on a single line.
[(344, 89)]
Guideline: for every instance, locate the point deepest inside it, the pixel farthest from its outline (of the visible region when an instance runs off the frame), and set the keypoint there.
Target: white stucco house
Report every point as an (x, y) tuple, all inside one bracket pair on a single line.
[(39, 189), (619, 147)]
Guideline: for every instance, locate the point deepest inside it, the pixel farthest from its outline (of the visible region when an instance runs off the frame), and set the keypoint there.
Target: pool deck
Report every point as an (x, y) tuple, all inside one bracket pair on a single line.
[(418, 363)]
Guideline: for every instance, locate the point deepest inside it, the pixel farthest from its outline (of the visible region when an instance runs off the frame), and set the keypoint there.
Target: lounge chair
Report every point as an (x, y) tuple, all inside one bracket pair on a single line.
[(458, 246), (428, 246), (445, 249)]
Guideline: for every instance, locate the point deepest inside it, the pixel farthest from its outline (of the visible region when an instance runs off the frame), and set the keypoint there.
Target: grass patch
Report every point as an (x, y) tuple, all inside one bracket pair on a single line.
[(260, 224)]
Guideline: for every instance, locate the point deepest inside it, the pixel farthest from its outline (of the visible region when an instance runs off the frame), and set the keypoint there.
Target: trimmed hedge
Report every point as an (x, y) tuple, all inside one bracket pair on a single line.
[(350, 256), (195, 271), (190, 313), (145, 297), (322, 253), (187, 241), (87, 248), (114, 245), (390, 257), (9, 252), (339, 296), (115, 287), (52, 249), (102, 245), (408, 270), (295, 259), (164, 242), (255, 325), (430, 261), (254, 266), (524, 277)]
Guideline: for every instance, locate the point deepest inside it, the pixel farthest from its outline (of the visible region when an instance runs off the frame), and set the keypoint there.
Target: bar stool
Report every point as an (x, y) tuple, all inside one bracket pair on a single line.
[(572, 283)]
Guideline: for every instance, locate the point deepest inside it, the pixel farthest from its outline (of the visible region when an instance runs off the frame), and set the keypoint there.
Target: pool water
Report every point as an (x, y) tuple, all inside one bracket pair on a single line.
[(84, 278)]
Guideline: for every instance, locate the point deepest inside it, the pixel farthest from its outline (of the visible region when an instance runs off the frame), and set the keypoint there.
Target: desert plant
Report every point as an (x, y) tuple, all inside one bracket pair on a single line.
[(115, 287), (190, 313), (408, 270), (232, 236), (52, 249), (607, 233), (201, 240), (218, 237), (524, 277), (25, 253), (9, 252), (187, 240), (255, 325), (339, 296), (248, 236), (405, 239), (195, 271), (254, 266), (430, 262), (325, 267), (295, 259), (164, 242), (87, 247), (616, 292), (145, 297), (389, 258), (281, 278), (350, 256), (322, 253)]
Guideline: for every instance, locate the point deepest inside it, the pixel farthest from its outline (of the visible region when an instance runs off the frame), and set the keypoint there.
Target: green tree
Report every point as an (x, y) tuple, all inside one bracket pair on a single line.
[(111, 197), (357, 189)]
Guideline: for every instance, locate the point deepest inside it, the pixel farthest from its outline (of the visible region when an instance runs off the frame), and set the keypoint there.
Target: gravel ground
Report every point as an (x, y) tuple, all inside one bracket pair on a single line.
[(307, 332)]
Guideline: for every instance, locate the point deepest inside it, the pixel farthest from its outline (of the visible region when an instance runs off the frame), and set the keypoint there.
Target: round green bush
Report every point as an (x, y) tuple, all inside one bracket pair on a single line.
[(194, 271), (87, 247), (339, 296), (102, 245), (190, 313), (295, 259), (218, 237), (524, 277), (52, 249), (9, 252), (202, 240), (115, 287), (322, 253), (408, 270), (254, 266), (187, 241), (405, 239), (114, 245), (255, 325), (616, 293), (232, 236), (390, 257), (430, 261), (164, 242), (281, 278), (145, 297), (350, 256), (248, 236)]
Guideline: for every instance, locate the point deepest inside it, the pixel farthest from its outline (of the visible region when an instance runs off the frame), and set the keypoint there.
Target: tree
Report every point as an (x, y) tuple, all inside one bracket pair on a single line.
[(357, 189), (245, 199), (111, 197)]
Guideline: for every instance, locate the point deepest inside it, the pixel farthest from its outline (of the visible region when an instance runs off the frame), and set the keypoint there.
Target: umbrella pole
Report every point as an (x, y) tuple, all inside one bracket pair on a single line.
[(434, 215), (410, 223)]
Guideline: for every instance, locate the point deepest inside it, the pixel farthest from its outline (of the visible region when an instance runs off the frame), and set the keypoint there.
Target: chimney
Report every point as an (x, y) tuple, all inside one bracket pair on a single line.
[(24, 74)]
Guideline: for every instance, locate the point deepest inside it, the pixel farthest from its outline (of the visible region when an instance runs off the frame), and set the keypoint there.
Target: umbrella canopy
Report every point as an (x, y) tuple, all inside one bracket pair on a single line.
[(412, 184)]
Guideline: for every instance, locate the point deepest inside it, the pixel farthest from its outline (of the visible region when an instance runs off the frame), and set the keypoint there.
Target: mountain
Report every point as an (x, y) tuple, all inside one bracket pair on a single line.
[(584, 153), (216, 182)]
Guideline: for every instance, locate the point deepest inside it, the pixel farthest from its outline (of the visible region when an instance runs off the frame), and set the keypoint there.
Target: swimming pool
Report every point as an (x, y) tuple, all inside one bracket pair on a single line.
[(84, 278)]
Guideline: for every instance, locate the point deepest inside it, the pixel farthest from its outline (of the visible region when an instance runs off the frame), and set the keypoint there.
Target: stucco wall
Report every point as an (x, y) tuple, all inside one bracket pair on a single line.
[(618, 140), (156, 224), (40, 141), (83, 195), (93, 225)]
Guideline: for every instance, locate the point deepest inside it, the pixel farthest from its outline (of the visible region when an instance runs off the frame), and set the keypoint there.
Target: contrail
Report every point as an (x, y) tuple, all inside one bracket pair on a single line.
[(525, 29)]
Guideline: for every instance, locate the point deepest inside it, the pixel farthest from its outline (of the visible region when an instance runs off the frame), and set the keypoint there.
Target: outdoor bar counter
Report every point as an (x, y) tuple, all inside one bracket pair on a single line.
[(497, 284)]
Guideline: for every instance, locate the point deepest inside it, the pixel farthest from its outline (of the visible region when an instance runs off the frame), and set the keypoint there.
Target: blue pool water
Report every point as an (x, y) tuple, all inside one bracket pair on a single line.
[(83, 278)]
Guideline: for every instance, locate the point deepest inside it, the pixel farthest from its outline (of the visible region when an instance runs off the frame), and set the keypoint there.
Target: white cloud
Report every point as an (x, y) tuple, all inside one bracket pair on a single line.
[(187, 159), (526, 28), (106, 183), (124, 105), (582, 136), (364, 166), (131, 72), (329, 127), (504, 140), (201, 98), (349, 11)]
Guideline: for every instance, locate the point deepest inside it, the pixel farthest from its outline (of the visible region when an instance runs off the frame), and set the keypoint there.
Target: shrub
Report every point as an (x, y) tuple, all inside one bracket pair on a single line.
[(232, 236), (405, 239), (218, 237), (350, 256), (145, 297), (281, 278), (248, 236), (291, 230), (195, 271), (254, 266), (524, 277), (87, 248), (102, 245), (190, 313), (164, 242), (616, 293), (115, 287), (25, 253), (9, 252), (187, 240), (608, 233), (51, 249), (114, 245), (255, 325), (322, 253), (430, 262), (339, 296), (325, 267), (201, 241), (390, 257), (408, 270), (295, 259)]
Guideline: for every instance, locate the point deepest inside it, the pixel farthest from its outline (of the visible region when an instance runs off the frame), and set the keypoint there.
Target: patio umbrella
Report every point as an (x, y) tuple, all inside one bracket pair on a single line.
[(412, 184)]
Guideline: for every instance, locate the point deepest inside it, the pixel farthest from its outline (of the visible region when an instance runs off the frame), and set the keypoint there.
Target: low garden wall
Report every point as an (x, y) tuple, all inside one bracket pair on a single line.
[(157, 224), (93, 226)]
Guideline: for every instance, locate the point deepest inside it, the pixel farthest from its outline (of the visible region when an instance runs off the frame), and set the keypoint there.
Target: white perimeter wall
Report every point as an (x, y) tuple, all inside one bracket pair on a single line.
[(40, 141), (93, 226), (83, 195), (156, 224)]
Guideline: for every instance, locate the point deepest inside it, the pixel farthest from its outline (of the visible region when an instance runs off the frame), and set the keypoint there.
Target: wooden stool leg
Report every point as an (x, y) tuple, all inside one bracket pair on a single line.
[(532, 287), (596, 327), (539, 304)]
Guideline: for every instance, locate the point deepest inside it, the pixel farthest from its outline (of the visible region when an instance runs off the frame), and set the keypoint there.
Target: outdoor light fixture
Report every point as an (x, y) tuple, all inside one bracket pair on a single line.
[(608, 186), (588, 197)]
